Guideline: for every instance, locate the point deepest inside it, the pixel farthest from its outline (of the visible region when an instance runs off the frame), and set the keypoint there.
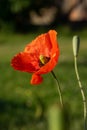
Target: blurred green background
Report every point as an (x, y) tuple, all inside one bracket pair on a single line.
[(23, 106)]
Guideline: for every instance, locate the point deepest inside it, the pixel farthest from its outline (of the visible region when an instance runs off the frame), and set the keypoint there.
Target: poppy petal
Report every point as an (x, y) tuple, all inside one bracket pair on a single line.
[(24, 62), (41, 45), (36, 79), (48, 67), (54, 55), (55, 47)]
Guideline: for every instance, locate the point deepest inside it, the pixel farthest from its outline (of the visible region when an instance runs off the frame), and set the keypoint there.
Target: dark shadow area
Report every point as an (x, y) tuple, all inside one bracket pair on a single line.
[(29, 16)]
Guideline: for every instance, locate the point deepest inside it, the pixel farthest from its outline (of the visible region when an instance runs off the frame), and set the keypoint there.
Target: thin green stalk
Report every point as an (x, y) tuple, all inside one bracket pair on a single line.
[(58, 88), (82, 91)]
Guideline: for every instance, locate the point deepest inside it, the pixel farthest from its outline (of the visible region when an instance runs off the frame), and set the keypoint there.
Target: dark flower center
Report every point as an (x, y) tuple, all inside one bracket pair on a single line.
[(43, 60)]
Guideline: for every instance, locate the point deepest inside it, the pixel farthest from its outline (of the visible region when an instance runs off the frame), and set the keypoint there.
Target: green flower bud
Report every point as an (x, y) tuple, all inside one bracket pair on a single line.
[(76, 43)]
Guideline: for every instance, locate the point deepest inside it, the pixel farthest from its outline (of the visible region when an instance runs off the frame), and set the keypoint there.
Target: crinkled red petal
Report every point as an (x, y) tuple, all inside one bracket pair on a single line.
[(25, 62), (54, 55), (41, 46), (36, 79), (49, 66)]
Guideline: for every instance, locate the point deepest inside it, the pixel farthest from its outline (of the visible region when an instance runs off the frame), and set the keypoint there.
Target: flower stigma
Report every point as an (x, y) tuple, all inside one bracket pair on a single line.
[(43, 60)]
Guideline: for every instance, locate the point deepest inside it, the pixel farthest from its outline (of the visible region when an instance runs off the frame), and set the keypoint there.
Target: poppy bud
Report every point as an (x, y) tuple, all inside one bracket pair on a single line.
[(76, 43)]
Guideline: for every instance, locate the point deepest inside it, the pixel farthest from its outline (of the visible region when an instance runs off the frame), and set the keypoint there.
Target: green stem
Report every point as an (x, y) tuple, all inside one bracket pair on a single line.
[(82, 91), (58, 88)]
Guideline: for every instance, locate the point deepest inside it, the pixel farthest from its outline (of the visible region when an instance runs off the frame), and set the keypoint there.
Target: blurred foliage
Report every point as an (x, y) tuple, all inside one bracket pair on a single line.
[(9, 7), (18, 5), (15, 15)]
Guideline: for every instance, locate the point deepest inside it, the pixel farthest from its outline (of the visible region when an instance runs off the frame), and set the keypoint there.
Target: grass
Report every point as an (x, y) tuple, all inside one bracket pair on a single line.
[(22, 106)]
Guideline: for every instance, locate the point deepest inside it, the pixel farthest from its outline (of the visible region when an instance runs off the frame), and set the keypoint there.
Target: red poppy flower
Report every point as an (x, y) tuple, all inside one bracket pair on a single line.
[(39, 57)]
